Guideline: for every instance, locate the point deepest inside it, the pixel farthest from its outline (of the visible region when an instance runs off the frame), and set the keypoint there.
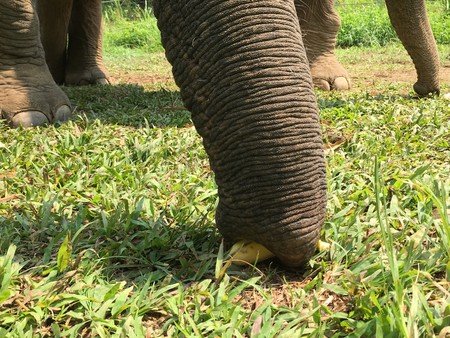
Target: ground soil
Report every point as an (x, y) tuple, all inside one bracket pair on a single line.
[(396, 73), (368, 71)]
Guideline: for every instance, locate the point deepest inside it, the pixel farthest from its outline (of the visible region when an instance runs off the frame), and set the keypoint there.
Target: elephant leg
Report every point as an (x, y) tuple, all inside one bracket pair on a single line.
[(320, 25), (54, 17), (410, 21), (84, 60), (28, 94), (244, 75)]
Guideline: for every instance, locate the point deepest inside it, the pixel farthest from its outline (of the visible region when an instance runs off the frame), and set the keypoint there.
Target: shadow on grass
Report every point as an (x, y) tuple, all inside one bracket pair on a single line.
[(129, 105), (124, 243), (127, 245), (133, 105)]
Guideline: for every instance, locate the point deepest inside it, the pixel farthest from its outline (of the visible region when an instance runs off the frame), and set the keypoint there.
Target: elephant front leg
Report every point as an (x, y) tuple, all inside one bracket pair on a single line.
[(410, 20), (54, 17), (84, 60), (320, 25), (28, 94)]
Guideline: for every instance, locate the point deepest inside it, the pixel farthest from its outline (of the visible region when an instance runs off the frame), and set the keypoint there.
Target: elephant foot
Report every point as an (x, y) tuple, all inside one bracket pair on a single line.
[(86, 75), (30, 98), (328, 73), (425, 88)]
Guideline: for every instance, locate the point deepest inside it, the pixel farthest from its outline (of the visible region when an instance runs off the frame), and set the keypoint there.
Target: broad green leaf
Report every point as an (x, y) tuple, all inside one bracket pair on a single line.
[(64, 254)]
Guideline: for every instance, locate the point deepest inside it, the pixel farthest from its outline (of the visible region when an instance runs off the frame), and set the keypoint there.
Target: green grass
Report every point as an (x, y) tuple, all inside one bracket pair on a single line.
[(363, 24), (131, 28), (368, 24), (107, 222)]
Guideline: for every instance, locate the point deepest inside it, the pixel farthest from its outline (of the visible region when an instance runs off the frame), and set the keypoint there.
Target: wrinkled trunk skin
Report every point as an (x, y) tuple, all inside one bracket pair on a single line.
[(410, 20), (243, 73)]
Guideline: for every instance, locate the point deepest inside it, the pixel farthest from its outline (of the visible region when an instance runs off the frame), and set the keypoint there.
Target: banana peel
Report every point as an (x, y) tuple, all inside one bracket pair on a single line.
[(323, 246), (245, 252)]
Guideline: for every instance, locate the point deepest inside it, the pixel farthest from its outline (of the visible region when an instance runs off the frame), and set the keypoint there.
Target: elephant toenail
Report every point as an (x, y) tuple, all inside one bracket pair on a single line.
[(29, 119), (102, 81), (63, 113), (341, 83), (322, 84)]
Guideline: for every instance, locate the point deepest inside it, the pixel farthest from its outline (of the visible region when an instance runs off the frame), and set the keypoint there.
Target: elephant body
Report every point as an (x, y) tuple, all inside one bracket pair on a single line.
[(244, 71)]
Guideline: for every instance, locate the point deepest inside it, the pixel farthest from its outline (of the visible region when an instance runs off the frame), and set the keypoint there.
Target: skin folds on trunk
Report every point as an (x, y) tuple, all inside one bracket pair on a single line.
[(243, 73)]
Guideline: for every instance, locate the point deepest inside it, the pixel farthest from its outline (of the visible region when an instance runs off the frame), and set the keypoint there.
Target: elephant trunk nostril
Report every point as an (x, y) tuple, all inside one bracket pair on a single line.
[(292, 237)]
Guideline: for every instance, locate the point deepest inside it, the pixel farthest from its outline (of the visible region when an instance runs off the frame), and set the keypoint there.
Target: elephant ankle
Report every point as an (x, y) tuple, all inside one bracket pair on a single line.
[(425, 88), (86, 73)]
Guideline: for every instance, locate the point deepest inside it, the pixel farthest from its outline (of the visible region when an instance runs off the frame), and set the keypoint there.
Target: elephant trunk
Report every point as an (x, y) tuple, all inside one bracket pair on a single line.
[(410, 21), (243, 73)]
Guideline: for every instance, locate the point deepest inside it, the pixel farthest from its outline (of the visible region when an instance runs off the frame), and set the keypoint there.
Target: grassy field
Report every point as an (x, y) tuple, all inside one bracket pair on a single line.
[(364, 23), (107, 222)]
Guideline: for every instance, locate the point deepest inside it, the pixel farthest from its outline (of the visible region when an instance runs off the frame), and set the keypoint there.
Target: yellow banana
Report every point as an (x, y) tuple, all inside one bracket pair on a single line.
[(323, 246), (244, 252)]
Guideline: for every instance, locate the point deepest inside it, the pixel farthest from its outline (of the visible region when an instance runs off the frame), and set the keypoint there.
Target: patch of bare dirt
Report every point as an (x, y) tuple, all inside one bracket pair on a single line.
[(364, 77), (363, 74), (287, 289), (153, 324), (141, 78)]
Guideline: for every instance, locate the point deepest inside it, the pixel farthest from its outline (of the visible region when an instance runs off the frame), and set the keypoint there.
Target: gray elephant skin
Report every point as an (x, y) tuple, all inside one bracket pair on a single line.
[(244, 71), (70, 33)]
